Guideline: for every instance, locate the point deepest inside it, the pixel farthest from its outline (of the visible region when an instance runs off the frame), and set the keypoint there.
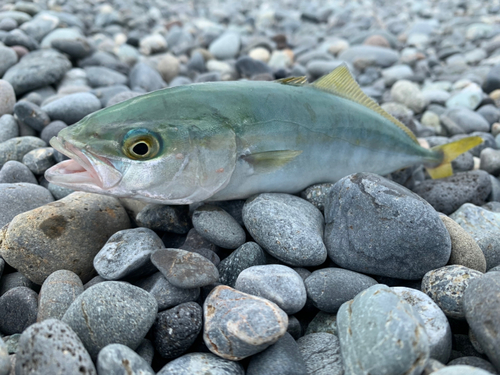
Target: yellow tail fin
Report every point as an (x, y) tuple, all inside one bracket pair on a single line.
[(450, 152)]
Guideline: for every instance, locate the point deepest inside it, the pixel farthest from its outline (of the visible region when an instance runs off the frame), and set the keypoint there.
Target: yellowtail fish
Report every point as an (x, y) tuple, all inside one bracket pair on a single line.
[(230, 140)]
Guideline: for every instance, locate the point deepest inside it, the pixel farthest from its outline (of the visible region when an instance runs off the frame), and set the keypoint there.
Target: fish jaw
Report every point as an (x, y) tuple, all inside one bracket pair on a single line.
[(84, 171)]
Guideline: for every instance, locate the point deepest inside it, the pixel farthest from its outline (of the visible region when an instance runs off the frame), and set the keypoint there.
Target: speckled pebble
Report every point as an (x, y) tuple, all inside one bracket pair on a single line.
[(120, 359), (14, 172), (321, 353), (164, 218), (199, 363), (39, 160), (18, 309), (247, 255)]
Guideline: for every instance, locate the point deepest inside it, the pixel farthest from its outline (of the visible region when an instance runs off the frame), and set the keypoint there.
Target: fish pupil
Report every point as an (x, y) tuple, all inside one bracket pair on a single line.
[(140, 148)]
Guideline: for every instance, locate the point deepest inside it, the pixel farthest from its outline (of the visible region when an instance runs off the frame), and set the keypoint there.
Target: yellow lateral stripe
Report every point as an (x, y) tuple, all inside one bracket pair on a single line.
[(340, 82)]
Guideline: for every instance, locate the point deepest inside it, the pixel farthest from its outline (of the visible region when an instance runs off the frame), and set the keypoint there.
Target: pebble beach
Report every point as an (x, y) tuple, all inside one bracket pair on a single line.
[(395, 274)]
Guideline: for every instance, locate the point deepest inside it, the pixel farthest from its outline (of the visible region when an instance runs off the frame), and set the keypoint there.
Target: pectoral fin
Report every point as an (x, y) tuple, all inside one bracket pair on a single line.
[(270, 161)]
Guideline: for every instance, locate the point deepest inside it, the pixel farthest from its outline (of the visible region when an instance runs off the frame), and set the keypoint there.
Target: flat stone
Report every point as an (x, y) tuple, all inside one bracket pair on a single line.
[(481, 303), (370, 228), (66, 234), (58, 292), (238, 325), (7, 98), (321, 353), (176, 329), (8, 58), (196, 363), (120, 359), (16, 148), (446, 287), (31, 115), (287, 227), (185, 269), (14, 172), (329, 288), (381, 331), (276, 283), (111, 312), (72, 108), (18, 309), (363, 56), (99, 76), (247, 255), (52, 347), (8, 128), (468, 120)]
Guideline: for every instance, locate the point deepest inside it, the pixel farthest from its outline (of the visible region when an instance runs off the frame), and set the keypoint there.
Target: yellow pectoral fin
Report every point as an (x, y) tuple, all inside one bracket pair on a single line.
[(450, 152), (269, 161)]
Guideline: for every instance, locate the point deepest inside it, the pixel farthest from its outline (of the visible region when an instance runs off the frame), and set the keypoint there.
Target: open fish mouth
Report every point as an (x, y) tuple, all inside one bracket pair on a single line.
[(85, 170)]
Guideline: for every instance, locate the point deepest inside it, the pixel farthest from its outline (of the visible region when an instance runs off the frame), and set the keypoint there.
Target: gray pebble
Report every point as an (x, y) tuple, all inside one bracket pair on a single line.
[(52, 347), (58, 292), (436, 325), (180, 81), (7, 98), (447, 194), (13, 172), (468, 120), (365, 217), (294, 327), (164, 218), (121, 97), (381, 331), (127, 254), (104, 94), (370, 56), (185, 269), (321, 353), (18, 37), (490, 113), (31, 114), (474, 362), (4, 359), (317, 195), (218, 227), (175, 330), (226, 46), (329, 288), (8, 24), (64, 235), (16, 148), (59, 192), (166, 294), (18, 309), (76, 49), (107, 60), (111, 312), (8, 58), (446, 287), (15, 279), (99, 76), (247, 255), (484, 226), (39, 160), (145, 77), (199, 363), (245, 65), (490, 161), (37, 69), (283, 357), (232, 328), (40, 26), (492, 80), (288, 227), (73, 107), (8, 128), (66, 33), (20, 197), (116, 359), (276, 283), (146, 350), (461, 370), (482, 305)]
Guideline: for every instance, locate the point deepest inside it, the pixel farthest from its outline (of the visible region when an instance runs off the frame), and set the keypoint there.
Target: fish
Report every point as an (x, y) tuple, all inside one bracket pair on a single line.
[(231, 140)]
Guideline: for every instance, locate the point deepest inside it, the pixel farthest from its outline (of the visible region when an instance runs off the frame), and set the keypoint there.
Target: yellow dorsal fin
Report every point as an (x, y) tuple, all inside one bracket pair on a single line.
[(294, 81), (340, 82)]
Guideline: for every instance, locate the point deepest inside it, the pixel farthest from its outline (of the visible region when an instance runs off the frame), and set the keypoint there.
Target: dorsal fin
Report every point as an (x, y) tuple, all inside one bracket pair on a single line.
[(294, 81), (340, 82)]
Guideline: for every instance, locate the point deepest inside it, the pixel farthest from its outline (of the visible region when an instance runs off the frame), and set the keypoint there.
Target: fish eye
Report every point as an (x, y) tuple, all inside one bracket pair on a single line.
[(141, 144)]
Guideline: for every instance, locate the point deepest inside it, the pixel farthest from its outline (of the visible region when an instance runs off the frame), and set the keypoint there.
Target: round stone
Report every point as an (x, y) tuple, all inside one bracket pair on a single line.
[(226, 46), (145, 77), (16, 148), (409, 94), (247, 255), (13, 172), (474, 362), (120, 359), (73, 107), (7, 98), (31, 115), (461, 370), (99, 76), (197, 363), (8, 128), (18, 309), (8, 58)]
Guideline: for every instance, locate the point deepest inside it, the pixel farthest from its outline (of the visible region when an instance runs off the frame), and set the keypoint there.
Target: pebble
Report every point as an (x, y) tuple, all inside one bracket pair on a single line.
[(490, 113), (435, 322), (37, 69), (468, 120), (381, 331), (104, 94), (51, 130), (16, 198), (8, 58), (467, 98), (283, 357), (176, 329), (145, 77), (153, 43), (127, 254), (13, 172), (58, 292), (321, 353), (66, 234), (7, 98), (120, 359), (52, 347), (217, 226), (396, 73), (18, 37), (464, 249), (323, 322), (111, 312), (474, 362), (359, 240), (4, 359), (39, 160), (226, 46), (329, 288), (158, 217), (198, 363), (18, 309), (232, 328), (31, 115), (185, 269), (276, 283), (146, 350), (249, 67), (490, 161), (247, 255), (481, 303), (409, 94), (99, 76), (461, 370), (287, 227), (122, 96), (483, 225), (446, 287), (59, 192), (363, 56), (447, 194), (168, 67), (73, 107), (15, 279), (492, 80), (8, 128)]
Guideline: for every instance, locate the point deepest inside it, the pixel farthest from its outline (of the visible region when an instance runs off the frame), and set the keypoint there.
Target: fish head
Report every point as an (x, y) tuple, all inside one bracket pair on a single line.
[(150, 159)]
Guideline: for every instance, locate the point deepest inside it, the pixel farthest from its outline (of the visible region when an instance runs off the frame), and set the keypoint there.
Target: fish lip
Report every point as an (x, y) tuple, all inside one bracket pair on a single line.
[(84, 168)]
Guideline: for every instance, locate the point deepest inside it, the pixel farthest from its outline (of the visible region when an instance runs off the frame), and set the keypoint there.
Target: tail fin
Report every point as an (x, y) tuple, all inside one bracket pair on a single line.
[(451, 151)]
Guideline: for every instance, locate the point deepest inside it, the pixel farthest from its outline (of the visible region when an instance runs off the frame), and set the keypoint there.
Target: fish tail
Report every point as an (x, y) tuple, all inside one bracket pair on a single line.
[(450, 152)]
